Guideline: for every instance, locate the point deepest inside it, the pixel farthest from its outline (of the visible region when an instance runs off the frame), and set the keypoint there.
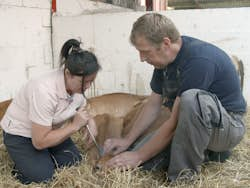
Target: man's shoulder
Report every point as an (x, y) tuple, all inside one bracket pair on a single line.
[(196, 48), (187, 41)]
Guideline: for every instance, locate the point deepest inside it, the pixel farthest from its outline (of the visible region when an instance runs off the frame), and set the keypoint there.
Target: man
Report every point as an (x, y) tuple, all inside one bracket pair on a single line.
[(198, 82)]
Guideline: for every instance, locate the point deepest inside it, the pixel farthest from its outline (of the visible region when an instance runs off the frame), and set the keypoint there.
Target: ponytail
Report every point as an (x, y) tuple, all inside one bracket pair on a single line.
[(78, 61), (67, 48)]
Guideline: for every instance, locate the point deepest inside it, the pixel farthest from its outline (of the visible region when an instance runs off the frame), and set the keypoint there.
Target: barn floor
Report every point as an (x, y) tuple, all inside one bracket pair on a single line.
[(234, 173)]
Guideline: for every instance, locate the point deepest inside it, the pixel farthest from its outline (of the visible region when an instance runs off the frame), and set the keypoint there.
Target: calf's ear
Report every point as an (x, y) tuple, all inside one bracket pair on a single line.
[(3, 107)]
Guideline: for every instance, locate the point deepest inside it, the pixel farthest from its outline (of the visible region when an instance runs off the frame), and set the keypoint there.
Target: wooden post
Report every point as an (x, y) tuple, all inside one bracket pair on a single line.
[(160, 5)]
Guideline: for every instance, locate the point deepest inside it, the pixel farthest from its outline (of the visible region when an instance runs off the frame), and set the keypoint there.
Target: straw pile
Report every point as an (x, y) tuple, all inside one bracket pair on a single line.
[(234, 173)]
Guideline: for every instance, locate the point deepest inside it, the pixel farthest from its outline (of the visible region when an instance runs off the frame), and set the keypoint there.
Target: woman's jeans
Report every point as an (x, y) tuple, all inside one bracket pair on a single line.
[(32, 165)]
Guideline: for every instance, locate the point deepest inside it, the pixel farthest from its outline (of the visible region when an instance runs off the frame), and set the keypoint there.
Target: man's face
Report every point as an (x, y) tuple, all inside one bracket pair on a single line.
[(156, 56)]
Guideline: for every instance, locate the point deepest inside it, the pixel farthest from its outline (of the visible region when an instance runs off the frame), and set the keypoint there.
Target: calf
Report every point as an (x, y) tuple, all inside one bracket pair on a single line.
[(110, 126), (110, 111), (129, 119), (115, 104)]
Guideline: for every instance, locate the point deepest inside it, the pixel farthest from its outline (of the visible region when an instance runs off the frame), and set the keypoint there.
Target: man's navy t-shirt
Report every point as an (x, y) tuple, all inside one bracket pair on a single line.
[(203, 66)]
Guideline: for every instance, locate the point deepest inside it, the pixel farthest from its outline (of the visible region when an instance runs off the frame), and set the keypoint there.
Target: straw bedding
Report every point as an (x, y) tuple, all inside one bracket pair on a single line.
[(233, 173)]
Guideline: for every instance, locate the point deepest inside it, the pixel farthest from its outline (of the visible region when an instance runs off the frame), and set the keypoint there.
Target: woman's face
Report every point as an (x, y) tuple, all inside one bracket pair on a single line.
[(74, 83)]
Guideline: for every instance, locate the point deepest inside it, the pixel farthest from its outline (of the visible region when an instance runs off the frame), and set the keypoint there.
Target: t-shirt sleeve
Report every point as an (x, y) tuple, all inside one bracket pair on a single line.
[(198, 73), (156, 81), (41, 105)]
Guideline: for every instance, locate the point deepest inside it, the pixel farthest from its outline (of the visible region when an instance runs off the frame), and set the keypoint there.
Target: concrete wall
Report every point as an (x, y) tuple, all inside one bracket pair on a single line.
[(25, 47), (25, 37), (107, 34)]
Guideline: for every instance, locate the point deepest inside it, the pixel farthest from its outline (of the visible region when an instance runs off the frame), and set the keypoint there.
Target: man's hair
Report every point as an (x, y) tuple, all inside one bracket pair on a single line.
[(154, 27)]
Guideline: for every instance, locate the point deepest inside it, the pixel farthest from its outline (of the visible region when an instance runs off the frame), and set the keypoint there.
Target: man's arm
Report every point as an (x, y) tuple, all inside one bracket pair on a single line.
[(156, 144), (162, 137), (148, 114), (146, 117)]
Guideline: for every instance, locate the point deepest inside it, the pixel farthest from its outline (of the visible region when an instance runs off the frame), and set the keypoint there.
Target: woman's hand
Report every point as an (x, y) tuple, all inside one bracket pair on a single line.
[(80, 119)]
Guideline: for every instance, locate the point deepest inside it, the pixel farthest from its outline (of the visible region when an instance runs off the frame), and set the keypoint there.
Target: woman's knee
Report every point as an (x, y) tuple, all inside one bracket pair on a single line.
[(76, 158), (68, 158), (37, 174), (43, 175)]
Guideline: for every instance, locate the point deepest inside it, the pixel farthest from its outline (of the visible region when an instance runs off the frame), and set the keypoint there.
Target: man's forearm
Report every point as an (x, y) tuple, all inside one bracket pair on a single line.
[(157, 143), (146, 117), (162, 137)]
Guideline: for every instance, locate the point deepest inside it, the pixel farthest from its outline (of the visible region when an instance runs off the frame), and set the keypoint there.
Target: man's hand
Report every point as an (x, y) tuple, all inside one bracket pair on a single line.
[(115, 146), (126, 160)]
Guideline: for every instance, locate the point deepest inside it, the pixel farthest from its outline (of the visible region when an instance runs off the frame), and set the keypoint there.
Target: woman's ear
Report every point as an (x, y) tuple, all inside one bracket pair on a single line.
[(67, 73)]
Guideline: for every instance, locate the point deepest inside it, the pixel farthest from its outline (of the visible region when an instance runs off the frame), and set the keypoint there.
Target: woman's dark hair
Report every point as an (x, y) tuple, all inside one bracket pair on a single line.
[(78, 61)]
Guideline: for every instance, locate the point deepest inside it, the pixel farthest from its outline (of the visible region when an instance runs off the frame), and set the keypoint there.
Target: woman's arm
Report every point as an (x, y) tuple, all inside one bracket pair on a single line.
[(44, 136)]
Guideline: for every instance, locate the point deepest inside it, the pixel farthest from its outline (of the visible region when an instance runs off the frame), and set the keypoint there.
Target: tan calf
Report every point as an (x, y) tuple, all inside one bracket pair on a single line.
[(115, 104), (128, 121)]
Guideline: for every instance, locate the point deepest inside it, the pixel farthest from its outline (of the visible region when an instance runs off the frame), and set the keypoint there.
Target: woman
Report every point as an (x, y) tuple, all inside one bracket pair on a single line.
[(32, 126)]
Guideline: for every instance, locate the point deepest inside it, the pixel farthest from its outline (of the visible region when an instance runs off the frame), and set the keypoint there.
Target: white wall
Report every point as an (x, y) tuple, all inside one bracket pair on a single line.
[(108, 35), (25, 37), (25, 47)]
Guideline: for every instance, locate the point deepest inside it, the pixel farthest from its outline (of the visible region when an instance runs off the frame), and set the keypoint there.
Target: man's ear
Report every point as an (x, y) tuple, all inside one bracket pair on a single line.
[(166, 41)]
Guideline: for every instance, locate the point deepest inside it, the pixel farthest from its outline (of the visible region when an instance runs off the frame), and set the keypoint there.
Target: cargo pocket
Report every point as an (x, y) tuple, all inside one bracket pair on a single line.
[(237, 129), (210, 109)]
